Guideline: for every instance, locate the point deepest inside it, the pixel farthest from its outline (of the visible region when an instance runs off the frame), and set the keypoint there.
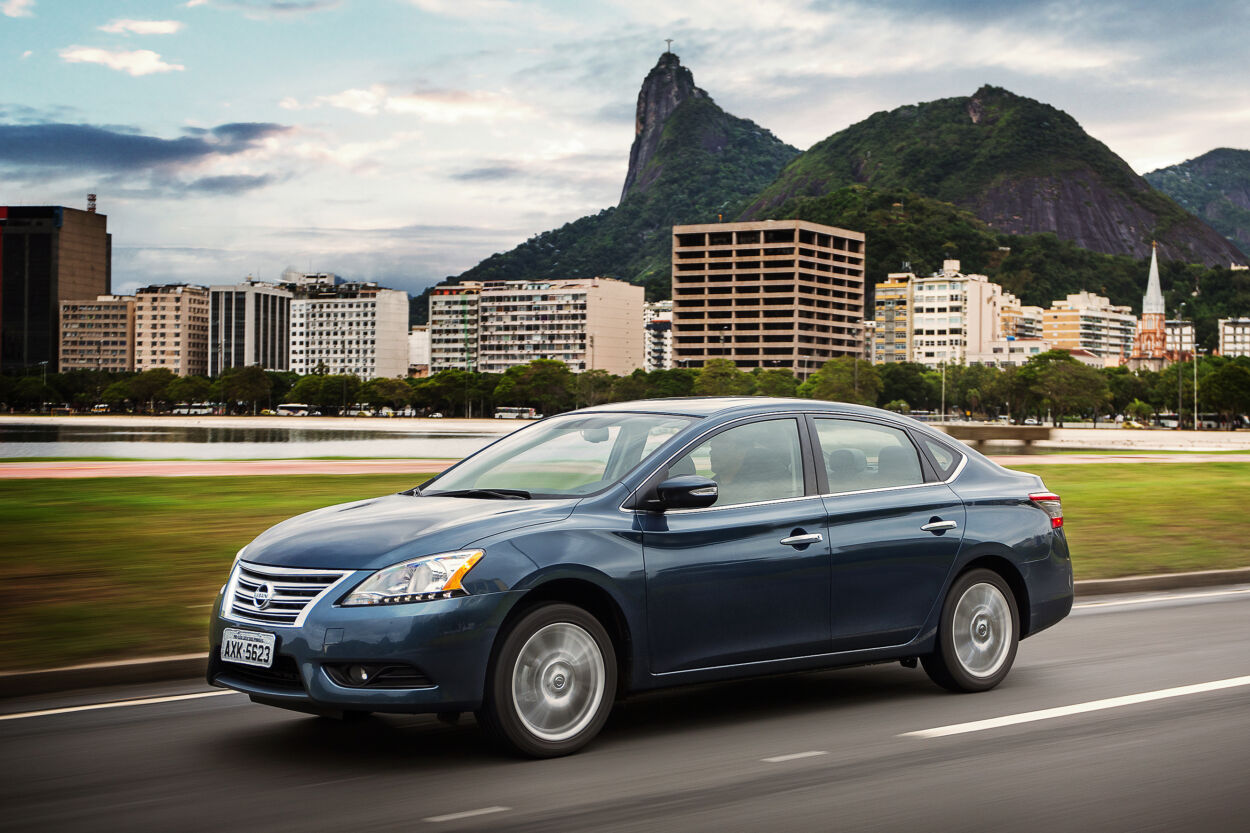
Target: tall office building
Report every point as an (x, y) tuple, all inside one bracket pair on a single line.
[(587, 323), (48, 254), (98, 334), (1234, 337), (454, 326), (776, 293), (358, 329), (249, 324), (953, 315), (171, 329)]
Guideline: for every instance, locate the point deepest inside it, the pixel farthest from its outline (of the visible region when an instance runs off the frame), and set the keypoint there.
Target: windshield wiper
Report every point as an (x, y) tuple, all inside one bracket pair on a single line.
[(496, 494)]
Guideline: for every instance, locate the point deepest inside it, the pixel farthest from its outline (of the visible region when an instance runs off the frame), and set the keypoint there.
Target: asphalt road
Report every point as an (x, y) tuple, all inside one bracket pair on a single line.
[(825, 751)]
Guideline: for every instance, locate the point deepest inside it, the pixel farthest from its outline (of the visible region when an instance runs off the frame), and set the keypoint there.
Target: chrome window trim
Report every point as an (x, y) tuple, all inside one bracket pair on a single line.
[(227, 606), (739, 505)]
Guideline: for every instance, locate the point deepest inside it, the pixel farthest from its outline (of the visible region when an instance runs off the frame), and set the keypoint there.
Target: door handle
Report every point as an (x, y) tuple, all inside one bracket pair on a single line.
[(939, 526), (803, 540)]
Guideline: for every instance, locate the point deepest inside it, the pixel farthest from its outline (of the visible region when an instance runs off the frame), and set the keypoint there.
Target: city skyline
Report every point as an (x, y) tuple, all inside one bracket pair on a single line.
[(402, 142)]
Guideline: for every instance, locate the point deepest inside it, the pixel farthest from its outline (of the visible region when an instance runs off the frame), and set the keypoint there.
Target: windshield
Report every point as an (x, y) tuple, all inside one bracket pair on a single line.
[(572, 455)]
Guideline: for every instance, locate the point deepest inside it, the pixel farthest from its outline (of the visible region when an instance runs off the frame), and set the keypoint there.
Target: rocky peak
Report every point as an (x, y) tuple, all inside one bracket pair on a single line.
[(666, 86)]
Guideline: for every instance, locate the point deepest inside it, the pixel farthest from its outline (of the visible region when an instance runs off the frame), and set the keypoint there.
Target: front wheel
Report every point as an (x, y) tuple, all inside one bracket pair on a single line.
[(978, 634), (551, 685)]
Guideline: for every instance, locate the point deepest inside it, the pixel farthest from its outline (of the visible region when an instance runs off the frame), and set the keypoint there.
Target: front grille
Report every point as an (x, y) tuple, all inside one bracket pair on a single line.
[(283, 675), (289, 593)]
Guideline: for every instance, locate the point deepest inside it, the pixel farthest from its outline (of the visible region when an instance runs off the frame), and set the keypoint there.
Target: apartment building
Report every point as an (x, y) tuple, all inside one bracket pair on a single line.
[(1085, 321), (776, 293), (1234, 337), (952, 315), (419, 351), (657, 321), (358, 329), (1007, 352), (1179, 338), (591, 323), (98, 334), (1018, 320), (454, 326), (249, 324), (48, 254), (892, 337), (171, 329)]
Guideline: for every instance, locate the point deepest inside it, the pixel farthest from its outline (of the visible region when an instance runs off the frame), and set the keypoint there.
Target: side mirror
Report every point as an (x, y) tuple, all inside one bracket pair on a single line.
[(688, 491)]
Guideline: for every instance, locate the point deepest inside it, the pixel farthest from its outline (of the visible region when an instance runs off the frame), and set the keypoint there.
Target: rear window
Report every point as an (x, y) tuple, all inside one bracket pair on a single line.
[(944, 457)]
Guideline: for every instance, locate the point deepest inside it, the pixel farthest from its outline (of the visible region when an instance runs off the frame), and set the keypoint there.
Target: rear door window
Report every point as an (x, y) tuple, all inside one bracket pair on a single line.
[(859, 456)]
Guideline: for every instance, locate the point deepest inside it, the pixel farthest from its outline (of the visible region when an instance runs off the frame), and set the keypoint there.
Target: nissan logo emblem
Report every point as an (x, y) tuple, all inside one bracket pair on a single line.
[(262, 596)]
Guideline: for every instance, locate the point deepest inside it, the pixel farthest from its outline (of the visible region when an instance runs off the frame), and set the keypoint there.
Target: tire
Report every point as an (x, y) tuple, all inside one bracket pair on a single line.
[(977, 635), (551, 683)]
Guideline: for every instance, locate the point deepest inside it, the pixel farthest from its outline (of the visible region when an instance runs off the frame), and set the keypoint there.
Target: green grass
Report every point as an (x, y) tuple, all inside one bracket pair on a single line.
[(1137, 518), (106, 568), (102, 568)]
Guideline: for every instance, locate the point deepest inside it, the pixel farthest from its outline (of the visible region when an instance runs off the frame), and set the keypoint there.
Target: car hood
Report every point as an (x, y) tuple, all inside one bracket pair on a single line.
[(375, 533)]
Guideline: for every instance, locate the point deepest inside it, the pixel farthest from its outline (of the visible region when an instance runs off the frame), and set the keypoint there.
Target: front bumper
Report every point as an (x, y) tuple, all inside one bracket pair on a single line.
[(448, 641)]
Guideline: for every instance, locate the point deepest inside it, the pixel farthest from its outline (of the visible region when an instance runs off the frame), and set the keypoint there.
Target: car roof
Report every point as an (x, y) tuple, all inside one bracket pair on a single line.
[(705, 406)]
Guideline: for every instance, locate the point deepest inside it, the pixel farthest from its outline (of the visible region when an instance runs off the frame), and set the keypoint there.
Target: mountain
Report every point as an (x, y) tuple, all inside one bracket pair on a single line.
[(689, 162), (1216, 187), (1020, 165)]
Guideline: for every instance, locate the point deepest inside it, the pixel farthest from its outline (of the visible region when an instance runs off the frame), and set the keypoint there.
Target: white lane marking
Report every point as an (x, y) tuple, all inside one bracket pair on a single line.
[(468, 814), (116, 704), (1078, 708), (793, 757), (1170, 598)]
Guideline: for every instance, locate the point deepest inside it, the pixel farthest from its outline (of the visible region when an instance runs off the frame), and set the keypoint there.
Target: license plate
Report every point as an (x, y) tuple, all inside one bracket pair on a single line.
[(248, 647)]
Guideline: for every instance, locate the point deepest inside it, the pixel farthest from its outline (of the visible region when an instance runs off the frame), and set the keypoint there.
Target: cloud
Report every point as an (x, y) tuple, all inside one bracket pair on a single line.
[(257, 9), (17, 8), (236, 184), (489, 173), (26, 54), (138, 62), (80, 147), (142, 27), (436, 105)]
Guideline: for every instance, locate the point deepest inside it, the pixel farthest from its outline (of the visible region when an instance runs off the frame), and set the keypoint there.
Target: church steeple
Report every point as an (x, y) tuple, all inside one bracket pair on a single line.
[(1153, 301)]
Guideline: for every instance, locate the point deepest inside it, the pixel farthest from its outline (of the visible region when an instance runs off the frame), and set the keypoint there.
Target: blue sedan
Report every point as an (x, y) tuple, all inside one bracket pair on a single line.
[(647, 544)]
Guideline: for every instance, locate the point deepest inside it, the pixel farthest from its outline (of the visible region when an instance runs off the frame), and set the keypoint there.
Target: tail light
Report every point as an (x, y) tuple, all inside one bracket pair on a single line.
[(1051, 505)]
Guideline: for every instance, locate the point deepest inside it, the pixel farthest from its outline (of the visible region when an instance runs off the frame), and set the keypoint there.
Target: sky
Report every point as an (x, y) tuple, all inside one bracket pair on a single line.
[(403, 141)]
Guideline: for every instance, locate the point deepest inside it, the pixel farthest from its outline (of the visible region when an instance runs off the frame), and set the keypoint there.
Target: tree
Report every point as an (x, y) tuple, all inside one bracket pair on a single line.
[(306, 391), (1139, 411), (188, 389), (386, 393), (1066, 385), (844, 379), (245, 384), (339, 392), (593, 387), (150, 386), (721, 377), (775, 382), (1228, 390), (545, 384), (634, 386), (669, 384), (905, 381), (117, 393)]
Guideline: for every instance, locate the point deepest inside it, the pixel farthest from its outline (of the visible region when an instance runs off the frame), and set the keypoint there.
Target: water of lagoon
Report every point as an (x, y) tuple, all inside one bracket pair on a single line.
[(21, 440)]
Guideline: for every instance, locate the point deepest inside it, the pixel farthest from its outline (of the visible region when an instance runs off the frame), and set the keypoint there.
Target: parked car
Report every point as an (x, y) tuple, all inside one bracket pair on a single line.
[(634, 546)]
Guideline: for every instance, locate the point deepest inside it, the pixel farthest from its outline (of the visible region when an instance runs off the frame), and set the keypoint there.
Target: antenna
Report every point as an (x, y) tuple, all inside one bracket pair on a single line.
[(91, 203)]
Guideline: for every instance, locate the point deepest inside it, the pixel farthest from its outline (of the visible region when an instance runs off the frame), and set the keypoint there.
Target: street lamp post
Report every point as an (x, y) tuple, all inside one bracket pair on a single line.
[(1197, 421), (1180, 325)]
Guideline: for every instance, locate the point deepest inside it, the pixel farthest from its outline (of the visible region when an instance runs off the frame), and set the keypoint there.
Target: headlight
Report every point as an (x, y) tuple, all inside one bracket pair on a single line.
[(416, 580)]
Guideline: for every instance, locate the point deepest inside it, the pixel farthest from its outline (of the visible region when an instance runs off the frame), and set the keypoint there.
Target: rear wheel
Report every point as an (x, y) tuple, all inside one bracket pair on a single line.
[(550, 687), (978, 634)]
